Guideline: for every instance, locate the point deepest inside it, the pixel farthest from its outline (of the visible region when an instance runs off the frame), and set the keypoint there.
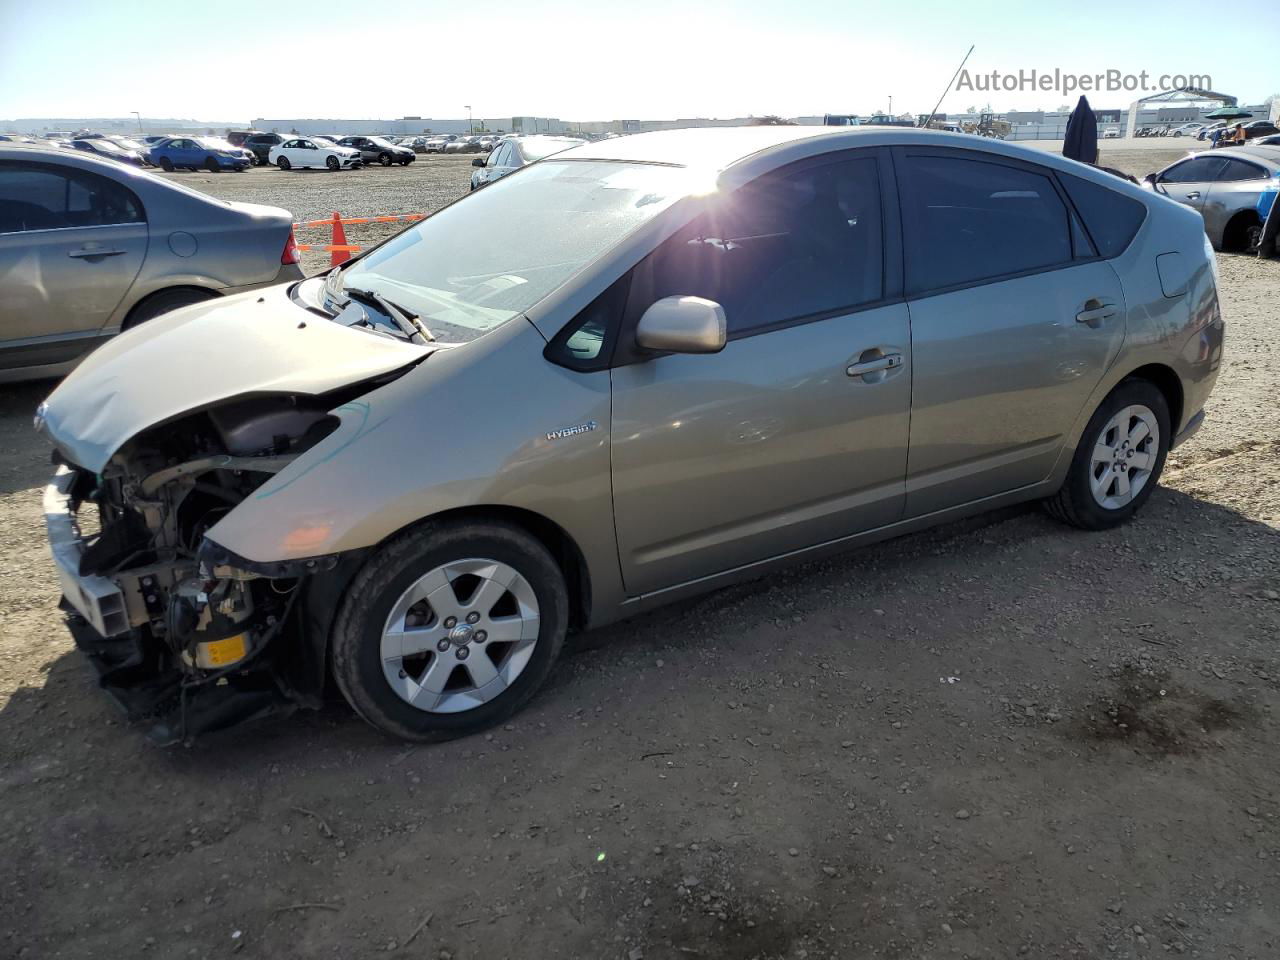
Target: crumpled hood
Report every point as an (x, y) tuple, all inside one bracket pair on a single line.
[(181, 362)]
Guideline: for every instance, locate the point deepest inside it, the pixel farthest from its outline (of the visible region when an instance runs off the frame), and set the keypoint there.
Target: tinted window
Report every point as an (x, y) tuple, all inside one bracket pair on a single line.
[(38, 197), (970, 220), (1111, 218), (1240, 170), (1195, 170), (785, 247)]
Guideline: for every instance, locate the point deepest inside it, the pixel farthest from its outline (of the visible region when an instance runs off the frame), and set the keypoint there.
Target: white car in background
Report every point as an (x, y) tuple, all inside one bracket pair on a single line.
[(1187, 130), (438, 143), (313, 152)]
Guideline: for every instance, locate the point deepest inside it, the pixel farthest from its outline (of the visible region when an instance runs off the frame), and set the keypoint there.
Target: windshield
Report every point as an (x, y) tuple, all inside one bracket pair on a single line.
[(493, 255)]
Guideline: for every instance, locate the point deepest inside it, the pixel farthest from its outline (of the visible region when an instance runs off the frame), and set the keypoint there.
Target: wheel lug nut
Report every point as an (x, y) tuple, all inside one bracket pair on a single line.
[(481, 636), (450, 622), (472, 617), (403, 674), (462, 653), (442, 645)]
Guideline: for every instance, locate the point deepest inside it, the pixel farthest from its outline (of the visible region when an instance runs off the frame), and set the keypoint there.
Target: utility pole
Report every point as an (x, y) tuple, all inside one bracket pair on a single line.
[(139, 116), (471, 127), (891, 105)]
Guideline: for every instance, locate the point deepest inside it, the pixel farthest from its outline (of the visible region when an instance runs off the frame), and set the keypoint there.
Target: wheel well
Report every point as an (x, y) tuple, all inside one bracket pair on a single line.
[(567, 554), (1233, 234), (1168, 383), (134, 310)]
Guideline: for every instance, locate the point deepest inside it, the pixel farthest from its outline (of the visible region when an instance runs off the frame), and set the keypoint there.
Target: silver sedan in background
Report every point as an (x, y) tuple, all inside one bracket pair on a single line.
[(1225, 187), (89, 248), (511, 154)]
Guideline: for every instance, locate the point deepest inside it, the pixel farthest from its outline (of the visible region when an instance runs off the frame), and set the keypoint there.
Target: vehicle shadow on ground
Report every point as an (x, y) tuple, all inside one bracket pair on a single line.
[(1021, 535), (26, 454)]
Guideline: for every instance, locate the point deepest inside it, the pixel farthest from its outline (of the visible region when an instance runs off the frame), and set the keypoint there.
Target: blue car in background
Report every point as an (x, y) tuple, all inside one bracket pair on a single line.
[(198, 153)]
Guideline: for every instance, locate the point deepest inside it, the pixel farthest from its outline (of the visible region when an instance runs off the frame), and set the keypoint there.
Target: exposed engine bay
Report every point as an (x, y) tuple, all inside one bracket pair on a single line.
[(185, 634)]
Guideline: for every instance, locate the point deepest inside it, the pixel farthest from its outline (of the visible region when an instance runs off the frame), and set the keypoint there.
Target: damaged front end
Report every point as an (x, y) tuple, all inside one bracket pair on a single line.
[(185, 634)]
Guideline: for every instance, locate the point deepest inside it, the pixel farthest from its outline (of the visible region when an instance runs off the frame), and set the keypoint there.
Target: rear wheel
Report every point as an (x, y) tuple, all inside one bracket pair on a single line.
[(163, 302), (283, 163), (449, 628), (1119, 460)]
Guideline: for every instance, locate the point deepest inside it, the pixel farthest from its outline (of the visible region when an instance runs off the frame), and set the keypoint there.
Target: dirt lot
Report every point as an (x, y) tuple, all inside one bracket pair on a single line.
[(1002, 738)]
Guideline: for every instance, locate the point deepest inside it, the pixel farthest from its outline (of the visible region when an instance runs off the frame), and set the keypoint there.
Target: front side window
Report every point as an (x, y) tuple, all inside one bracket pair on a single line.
[(786, 247), (494, 254), (966, 221), (40, 197), (1195, 170)]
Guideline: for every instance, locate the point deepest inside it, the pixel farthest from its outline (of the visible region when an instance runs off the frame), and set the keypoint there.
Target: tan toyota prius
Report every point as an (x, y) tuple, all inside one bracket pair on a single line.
[(641, 369)]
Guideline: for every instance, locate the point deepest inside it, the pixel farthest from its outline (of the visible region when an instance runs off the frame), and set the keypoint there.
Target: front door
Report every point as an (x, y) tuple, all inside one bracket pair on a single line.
[(793, 435), (1014, 321), (71, 243), (1189, 182)]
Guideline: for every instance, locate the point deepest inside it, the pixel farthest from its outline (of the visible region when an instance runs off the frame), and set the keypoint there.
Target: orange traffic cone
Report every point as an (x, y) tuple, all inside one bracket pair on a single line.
[(339, 240)]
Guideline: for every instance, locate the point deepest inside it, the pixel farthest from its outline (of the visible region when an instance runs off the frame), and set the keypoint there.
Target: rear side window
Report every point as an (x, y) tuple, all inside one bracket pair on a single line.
[(45, 197), (1241, 170), (1111, 218), (966, 221), (786, 247)]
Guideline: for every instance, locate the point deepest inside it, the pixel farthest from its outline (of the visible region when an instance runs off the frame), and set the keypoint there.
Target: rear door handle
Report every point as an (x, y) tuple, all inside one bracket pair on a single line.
[(1095, 311), (95, 252), (1193, 195), (888, 362)]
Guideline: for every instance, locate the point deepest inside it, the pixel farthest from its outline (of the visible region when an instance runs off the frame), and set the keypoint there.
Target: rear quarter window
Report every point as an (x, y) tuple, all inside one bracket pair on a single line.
[(1111, 218)]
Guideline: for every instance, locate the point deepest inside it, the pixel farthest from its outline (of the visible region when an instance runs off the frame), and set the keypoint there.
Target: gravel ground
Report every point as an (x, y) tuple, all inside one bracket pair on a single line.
[(1001, 738)]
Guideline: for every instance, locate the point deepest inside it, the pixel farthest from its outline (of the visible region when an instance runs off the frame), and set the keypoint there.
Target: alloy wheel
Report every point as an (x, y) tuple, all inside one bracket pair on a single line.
[(1123, 457), (460, 635)]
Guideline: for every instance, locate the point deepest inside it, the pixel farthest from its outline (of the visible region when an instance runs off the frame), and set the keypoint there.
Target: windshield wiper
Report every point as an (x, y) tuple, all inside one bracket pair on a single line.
[(407, 322)]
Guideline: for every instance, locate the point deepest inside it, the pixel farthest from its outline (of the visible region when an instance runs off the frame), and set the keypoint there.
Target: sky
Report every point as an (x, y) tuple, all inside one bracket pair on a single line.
[(606, 60)]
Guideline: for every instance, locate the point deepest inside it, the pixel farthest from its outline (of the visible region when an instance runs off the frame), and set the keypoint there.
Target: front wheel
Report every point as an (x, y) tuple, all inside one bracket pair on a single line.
[(332, 163), (449, 628), (212, 165), (1119, 460), (384, 159), (283, 163)]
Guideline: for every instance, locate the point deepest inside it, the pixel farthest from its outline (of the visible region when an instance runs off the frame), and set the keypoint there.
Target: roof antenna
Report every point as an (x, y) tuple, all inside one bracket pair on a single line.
[(948, 87)]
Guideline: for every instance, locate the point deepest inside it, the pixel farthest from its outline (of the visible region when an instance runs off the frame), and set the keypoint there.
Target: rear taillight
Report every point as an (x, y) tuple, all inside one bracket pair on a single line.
[(290, 253)]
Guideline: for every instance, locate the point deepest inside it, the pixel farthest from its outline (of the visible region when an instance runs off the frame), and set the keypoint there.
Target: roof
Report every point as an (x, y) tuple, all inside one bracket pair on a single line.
[(1270, 156), (707, 147)]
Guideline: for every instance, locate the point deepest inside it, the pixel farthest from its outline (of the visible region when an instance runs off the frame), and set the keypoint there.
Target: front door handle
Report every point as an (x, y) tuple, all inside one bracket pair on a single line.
[(1095, 311), (1193, 195), (95, 252), (889, 361)]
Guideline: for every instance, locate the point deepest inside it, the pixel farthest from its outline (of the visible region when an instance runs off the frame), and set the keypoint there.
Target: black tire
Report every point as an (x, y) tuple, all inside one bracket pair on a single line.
[(212, 166), (332, 163), (1075, 504), (166, 165), (362, 614), (283, 163), (163, 302), (384, 159)]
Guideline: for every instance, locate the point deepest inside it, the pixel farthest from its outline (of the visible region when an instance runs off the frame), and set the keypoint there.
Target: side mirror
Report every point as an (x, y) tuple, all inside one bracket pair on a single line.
[(478, 162), (682, 325)]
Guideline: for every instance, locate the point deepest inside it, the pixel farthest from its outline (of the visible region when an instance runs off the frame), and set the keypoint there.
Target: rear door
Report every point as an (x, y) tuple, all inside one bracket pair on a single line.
[(1014, 319), (795, 434), (71, 243), (1237, 186)]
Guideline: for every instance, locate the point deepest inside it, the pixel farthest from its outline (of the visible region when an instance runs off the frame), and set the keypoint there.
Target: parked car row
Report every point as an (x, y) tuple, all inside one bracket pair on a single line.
[(512, 153)]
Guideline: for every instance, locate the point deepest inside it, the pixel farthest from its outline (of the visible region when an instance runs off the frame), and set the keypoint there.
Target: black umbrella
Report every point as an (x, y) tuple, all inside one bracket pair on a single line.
[(1082, 134)]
